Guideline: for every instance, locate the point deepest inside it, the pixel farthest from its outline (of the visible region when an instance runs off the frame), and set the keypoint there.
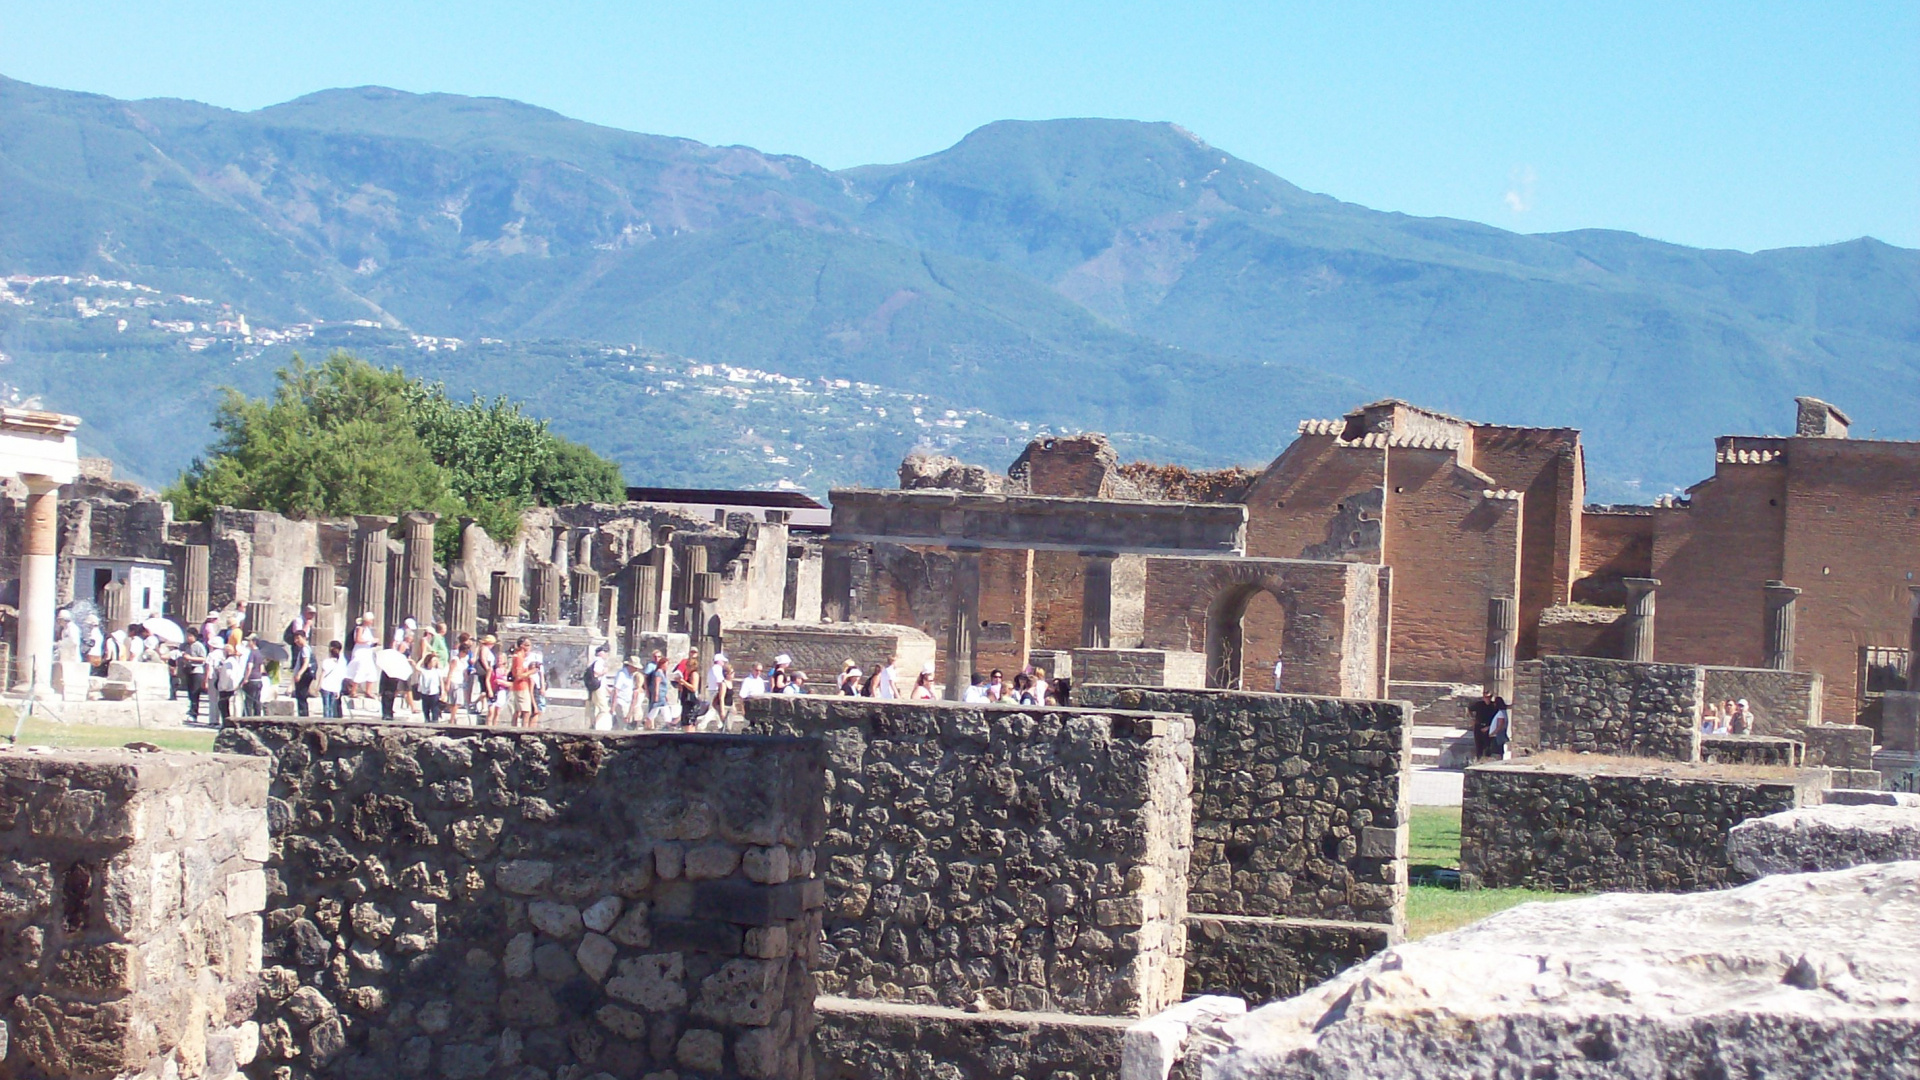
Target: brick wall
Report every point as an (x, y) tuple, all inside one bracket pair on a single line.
[(1713, 559), (1030, 859), (130, 897), (1329, 616), (465, 902), (1613, 545), (1579, 630), (1545, 465), (1451, 551), (1609, 826), (1853, 546), (1318, 501)]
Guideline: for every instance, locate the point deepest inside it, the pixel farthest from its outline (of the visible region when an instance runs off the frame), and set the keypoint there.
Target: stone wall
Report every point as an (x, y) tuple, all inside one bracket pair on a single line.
[(1783, 702), (130, 899), (1608, 825), (1751, 750), (868, 1040), (1588, 705), (1139, 667), (474, 903), (819, 649), (1300, 833), (1024, 859)]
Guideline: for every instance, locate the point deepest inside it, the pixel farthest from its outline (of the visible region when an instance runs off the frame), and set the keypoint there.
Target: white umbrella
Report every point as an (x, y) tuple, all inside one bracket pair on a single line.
[(394, 663), (166, 630)]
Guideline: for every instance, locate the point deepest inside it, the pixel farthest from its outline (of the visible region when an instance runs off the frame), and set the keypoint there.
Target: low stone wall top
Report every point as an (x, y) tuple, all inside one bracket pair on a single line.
[(820, 649), (1781, 977), (130, 898), (1621, 707), (1139, 667), (1020, 858), (1300, 803), (1600, 825), (473, 902)]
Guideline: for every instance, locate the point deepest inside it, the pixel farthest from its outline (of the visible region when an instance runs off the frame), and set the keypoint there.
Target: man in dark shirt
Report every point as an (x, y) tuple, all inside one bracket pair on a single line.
[(1482, 712)]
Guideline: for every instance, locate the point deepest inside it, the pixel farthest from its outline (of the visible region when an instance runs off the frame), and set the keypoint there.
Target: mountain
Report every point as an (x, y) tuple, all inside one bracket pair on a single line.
[(1065, 274)]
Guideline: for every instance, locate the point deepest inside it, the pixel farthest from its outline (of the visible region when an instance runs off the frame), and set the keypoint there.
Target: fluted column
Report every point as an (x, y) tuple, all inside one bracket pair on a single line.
[(662, 559), (1782, 620), (506, 599), (836, 581), (1638, 644), (416, 600), (461, 617), (546, 593), (33, 653), (607, 619), (1096, 600), (644, 614), (584, 585), (113, 607), (706, 620), (260, 620), (316, 591), (369, 586), (687, 595), (964, 617), (195, 570), (1503, 636)]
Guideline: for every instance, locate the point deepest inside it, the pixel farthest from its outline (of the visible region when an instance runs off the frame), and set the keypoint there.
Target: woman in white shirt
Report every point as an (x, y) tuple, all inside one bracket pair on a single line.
[(429, 682), (333, 679)]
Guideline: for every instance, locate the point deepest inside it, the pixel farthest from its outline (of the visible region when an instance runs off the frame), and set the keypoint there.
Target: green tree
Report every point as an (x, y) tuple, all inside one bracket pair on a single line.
[(348, 437)]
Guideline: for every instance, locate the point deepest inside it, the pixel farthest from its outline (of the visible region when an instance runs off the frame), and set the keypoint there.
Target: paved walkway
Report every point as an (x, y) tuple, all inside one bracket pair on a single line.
[(1437, 787)]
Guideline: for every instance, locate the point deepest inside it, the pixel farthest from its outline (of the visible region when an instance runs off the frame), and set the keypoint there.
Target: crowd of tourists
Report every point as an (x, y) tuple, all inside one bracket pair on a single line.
[(1728, 717)]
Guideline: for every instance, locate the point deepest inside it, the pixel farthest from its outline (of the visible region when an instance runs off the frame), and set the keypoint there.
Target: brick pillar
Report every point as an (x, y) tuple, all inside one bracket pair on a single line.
[(1503, 635), (836, 582), (416, 587), (546, 594), (1781, 624), (113, 607), (1096, 600), (506, 599), (461, 616), (963, 621), (316, 590), (369, 586), (1638, 638), (194, 573), (584, 586)]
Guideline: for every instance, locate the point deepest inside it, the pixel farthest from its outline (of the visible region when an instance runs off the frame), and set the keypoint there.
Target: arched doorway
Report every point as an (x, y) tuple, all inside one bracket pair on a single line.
[(1246, 626)]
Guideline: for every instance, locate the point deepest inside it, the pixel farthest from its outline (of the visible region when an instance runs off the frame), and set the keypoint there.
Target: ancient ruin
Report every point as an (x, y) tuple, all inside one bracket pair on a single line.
[(1213, 814)]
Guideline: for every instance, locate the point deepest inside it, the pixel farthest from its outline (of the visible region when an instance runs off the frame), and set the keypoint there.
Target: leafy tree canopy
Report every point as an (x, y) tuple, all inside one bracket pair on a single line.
[(347, 437)]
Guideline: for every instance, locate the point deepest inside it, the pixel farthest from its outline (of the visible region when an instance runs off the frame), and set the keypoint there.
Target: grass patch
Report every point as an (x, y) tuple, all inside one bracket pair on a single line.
[(43, 732), (1433, 907)]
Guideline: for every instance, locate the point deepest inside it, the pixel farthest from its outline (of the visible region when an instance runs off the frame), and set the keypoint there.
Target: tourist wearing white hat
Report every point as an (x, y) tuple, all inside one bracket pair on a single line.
[(720, 686), (923, 686), (782, 673)]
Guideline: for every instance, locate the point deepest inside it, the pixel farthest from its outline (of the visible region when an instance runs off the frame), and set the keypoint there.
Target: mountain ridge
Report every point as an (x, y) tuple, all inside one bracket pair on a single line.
[(1069, 273)]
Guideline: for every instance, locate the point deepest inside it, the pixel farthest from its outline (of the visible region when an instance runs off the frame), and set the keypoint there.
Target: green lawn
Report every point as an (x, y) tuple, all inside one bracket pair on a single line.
[(39, 732), (1434, 907)]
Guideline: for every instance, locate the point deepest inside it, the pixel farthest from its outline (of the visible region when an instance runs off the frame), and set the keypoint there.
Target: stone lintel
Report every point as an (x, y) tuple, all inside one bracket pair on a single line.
[(1038, 523)]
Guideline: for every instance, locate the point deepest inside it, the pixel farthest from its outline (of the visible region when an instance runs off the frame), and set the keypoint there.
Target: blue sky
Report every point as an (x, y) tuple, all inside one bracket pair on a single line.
[(1748, 125)]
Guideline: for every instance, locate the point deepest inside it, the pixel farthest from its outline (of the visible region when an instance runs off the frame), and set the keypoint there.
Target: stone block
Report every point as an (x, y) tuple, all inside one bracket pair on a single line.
[(1140, 667), (1781, 976), (859, 1039), (1868, 797), (1620, 707), (1827, 837), (1900, 722), (819, 649), (1839, 746), (1751, 750), (1261, 959)]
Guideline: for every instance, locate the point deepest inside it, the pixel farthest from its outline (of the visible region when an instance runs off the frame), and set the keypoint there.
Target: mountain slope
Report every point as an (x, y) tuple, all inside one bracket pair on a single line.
[(1071, 273)]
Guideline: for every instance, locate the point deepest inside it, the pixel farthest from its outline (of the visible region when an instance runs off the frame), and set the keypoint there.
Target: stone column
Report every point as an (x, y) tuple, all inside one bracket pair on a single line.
[(1638, 636), (506, 599), (260, 621), (546, 594), (33, 653), (644, 615), (963, 620), (662, 558), (836, 582), (316, 590), (369, 586), (585, 588), (461, 616), (1781, 620), (608, 617), (113, 607), (705, 623), (1503, 635), (1096, 600), (194, 575), (416, 588), (689, 594)]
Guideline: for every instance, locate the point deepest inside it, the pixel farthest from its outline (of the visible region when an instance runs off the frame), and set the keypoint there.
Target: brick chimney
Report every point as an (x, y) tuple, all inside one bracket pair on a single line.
[(1819, 420)]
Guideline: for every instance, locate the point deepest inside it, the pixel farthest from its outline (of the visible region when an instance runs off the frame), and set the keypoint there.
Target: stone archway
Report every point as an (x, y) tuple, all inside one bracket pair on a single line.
[(1226, 639)]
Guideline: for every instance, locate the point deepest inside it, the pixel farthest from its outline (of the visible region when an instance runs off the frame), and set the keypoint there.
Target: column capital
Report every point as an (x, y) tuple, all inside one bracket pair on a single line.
[(370, 522), (1640, 584), (1782, 590), (420, 517), (38, 484)]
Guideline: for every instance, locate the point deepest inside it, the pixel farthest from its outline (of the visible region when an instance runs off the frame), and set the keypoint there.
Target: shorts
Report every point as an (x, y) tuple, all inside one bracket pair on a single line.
[(660, 715), (523, 702)]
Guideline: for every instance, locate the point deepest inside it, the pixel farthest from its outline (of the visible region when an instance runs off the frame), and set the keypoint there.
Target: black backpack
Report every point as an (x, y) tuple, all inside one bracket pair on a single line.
[(588, 679)]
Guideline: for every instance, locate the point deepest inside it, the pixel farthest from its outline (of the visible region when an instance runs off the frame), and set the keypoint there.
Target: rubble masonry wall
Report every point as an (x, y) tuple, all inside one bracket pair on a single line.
[(475, 903)]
